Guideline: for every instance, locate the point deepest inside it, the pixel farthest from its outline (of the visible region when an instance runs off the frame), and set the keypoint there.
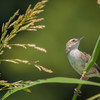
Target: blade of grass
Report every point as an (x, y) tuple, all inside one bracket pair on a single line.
[(89, 65), (49, 80), (94, 97), (94, 56)]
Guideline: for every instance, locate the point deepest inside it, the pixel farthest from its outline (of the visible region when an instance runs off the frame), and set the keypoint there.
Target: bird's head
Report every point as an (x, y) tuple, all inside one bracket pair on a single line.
[(72, 44)]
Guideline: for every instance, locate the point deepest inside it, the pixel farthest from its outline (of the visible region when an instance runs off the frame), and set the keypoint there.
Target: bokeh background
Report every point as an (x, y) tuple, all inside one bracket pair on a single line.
[(64, 19)]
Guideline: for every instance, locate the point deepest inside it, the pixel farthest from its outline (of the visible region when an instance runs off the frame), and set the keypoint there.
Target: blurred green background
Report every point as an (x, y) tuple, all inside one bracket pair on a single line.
[(64, 19)]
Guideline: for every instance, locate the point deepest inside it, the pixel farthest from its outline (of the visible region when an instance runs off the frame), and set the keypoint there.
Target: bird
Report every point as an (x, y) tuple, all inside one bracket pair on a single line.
[(79, 59)]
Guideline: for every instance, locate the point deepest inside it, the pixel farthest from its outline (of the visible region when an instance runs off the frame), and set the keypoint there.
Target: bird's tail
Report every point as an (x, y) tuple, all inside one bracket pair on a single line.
[(93, 75)]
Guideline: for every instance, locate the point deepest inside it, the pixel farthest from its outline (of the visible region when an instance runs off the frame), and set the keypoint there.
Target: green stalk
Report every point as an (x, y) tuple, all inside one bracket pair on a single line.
[(89, 65), (78, 89), (2, 46), (94, 56)]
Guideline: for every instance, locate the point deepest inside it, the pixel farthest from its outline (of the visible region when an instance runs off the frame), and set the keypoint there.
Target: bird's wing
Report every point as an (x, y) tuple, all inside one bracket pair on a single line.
[(86, 58)]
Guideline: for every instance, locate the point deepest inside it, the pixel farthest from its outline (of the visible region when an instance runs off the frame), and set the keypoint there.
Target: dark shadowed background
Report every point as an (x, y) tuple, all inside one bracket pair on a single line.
[(64, 19)]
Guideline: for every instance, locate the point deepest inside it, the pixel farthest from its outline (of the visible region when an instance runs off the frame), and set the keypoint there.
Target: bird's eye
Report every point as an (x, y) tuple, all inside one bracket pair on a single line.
[(73, 40)]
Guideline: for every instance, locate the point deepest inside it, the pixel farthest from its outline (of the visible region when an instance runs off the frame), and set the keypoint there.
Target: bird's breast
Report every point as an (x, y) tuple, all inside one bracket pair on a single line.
[(75, 60)]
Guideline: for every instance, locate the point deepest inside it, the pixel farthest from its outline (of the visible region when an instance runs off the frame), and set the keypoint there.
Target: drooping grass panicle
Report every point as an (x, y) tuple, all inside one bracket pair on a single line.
[(6, 25), (23, 22), (9, 46), (19, 23), (43, 68), (16, 61), (8, 86)]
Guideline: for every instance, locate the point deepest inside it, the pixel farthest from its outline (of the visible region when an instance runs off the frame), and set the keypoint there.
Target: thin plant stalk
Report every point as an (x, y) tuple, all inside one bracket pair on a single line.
[(89, 65)]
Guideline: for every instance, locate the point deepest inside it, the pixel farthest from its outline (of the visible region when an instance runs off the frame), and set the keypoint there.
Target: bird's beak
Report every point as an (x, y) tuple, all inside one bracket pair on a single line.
[(80, 38)]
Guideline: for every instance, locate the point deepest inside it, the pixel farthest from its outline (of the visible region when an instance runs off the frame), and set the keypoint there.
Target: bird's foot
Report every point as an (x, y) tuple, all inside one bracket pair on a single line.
[(77, 92)]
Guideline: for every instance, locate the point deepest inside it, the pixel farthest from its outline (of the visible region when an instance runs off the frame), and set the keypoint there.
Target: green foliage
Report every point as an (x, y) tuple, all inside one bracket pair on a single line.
[(20, 23), (94, 56), (94, 97), (27, 22), (89, 65), (23, 22), (27, 90), (49, 80)]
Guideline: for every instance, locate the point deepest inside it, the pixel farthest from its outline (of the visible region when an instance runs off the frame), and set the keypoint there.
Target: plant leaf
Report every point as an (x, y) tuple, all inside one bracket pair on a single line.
[(27, 90), (94, 97), (49, 80)]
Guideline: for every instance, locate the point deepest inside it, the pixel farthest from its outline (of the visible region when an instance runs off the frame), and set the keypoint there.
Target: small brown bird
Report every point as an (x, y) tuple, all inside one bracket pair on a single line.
[(79, 59)]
